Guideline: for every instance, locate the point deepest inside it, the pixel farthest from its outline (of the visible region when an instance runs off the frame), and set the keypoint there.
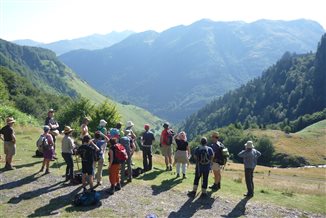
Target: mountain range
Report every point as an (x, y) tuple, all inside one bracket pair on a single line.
[(41, 69), (293, 87), (91, 42), (178, 71)]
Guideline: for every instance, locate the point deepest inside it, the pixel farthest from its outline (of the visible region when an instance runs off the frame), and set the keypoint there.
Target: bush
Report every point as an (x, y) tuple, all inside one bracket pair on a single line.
[(266, 148)]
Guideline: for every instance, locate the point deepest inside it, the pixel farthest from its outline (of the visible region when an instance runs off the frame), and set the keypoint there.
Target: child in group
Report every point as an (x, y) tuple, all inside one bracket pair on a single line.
[(87, 153), (114, 168), (203, 156)]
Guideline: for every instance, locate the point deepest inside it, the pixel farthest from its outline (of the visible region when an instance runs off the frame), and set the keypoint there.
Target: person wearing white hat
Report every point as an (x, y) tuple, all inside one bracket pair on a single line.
[(101, 127), (7, 134), (250, 156)]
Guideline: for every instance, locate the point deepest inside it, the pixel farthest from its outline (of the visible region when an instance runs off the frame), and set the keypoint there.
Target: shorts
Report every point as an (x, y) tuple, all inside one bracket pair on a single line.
[(9, 148), (166, 150), (216, 167), (87, 168)]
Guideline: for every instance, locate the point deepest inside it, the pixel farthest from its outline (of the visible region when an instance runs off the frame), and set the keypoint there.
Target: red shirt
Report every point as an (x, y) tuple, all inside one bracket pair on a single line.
[(164, 136)]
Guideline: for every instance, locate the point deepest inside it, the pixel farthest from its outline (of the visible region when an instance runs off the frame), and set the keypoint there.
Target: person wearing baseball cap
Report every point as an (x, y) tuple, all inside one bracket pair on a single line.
[(7, 134), (250, 156)]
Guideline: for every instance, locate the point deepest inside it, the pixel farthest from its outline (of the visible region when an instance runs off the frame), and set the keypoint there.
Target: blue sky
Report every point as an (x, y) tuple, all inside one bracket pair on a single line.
[(53, 20)]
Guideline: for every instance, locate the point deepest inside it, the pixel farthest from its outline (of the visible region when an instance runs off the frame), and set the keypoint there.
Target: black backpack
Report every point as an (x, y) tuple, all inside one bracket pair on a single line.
[(86, 199)]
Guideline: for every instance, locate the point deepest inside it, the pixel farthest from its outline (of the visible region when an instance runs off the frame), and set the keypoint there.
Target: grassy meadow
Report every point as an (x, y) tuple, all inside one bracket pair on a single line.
[(309, 142), (300, 188)]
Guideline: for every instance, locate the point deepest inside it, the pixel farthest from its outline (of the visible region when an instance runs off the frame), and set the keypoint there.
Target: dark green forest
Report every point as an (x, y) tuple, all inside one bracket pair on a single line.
[(291, 88)]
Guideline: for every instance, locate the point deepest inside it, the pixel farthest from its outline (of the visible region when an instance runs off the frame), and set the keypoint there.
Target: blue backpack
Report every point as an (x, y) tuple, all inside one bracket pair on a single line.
[(87, 199)]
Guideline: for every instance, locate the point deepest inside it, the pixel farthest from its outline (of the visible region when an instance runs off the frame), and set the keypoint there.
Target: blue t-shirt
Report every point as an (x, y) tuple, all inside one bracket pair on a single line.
[(148, 138), (199, 151), (99, 144)]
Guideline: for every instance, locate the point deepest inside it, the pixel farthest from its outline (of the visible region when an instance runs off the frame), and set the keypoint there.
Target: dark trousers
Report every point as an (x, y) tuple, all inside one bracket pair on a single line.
[(204, 174), (249, 174), (147, 158), (70, 165)]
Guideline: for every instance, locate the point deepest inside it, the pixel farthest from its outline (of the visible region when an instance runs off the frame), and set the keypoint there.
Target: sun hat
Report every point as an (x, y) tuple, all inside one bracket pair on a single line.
[(67, 129), (166, 125), (51, 110), (129, 124), (10, 120), (46, 128), (249, 144), (103, 122), (215, 134)]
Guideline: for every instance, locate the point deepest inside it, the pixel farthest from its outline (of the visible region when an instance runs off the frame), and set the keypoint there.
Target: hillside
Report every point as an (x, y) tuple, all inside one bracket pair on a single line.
[(176, 72), (38, 70), (293, 87), (308, 143), (92, 42)]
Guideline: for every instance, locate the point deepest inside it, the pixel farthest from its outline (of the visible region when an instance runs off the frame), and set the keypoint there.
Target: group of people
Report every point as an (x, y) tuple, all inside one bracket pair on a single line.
[(92, 152)]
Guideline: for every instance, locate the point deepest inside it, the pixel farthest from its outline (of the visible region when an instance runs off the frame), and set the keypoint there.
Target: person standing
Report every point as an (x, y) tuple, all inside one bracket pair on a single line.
[(7, 134), (182, 154), (147, 145), (48, 149), (128, 142), (67, 148), (217, 164), (250, 156), (166, 147), (87, 153), (53, 124), (101, 127), (203, 155), (101, 144), (114, 168), (84, 128)]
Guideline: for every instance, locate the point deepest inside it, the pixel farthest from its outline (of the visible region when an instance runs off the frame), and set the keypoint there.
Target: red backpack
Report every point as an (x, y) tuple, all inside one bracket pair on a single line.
[(120, 152)]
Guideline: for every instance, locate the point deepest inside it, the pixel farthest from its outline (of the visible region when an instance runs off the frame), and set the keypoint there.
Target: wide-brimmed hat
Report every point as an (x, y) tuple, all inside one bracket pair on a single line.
[(215, 134), (103, 122), (10, 120), (129, 124), (249, 144), (67, 129), (51, 110)]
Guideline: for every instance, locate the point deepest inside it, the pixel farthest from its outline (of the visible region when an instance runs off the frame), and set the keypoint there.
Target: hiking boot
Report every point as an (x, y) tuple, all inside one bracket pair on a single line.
[(118, 187), (184, 176), (99, 183), (47, 171), (191, 194), (111, 191), (9, 167), (170, 168), (167, 168), (214, 187), (41, 170), (248, 195), (178, 175)]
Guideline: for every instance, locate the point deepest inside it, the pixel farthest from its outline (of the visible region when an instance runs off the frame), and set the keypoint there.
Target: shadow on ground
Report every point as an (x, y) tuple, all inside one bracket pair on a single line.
[(239, 209), (165, 185), (191, 206)]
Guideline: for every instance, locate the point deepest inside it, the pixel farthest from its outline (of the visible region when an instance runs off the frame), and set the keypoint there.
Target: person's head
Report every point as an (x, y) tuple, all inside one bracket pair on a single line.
[(97, 135), (166, 125), (183, 136), (46, 129), (128, 133), (51, 112), (249, 145), (215, 136), (203, 141), (86, 139), (113, 141), (146, 127), (118, 125), (103, 123), (129, 124), (10, 121), (86, 120), (67, 130)]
